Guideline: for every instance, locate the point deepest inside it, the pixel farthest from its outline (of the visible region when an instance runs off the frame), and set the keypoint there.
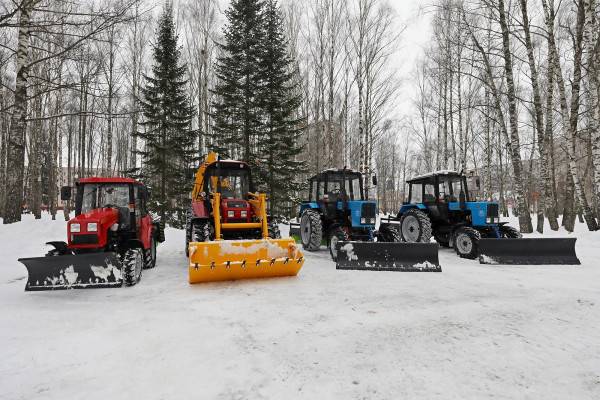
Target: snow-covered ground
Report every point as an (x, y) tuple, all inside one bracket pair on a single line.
[(471, 332)]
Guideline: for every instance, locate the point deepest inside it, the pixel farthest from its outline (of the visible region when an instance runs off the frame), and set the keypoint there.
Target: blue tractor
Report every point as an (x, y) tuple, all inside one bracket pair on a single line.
[(337, 211), (439, 205)]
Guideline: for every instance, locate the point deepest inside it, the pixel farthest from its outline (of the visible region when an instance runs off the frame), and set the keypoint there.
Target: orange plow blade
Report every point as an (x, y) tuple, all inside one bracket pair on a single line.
[(227, 260)]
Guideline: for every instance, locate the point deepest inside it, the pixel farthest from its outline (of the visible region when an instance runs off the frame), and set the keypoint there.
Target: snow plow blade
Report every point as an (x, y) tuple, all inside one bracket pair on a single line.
[(81, 271), (227, 260), (388, 256), (546, 251)]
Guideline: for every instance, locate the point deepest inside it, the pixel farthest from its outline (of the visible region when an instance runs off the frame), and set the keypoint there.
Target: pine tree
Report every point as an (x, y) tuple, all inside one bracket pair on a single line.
[(166, 128), (280, 102), (236, 108)]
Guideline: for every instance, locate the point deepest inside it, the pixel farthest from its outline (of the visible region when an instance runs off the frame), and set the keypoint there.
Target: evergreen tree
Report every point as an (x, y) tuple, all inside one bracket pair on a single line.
[(236, 108), (280, 102), (166, 127)]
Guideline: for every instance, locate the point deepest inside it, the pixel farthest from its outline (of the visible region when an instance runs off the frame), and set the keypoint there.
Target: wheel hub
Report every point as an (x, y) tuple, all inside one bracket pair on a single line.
[(411, 229), (464, 243)]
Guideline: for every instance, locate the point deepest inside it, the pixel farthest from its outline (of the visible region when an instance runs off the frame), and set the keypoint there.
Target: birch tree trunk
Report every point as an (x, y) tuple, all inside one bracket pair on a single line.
[(570, 120), (538, 119), (16, 137), (524, 216), (592, 68)]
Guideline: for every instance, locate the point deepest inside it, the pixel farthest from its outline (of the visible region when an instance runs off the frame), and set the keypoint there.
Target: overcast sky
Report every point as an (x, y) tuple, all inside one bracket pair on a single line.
[(416, 16)]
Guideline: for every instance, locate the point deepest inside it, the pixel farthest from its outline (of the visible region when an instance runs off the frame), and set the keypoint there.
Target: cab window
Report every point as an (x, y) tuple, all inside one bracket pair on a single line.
[(416, 193), (429, 195)]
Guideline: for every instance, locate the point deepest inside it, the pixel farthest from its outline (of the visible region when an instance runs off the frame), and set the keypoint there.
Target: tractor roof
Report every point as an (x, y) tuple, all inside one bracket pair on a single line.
[(335, 171), (100, 179), (446, 172)]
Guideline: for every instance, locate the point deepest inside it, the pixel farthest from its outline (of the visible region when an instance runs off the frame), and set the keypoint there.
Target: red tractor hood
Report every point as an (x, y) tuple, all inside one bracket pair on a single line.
[(86, 238), (104, 217)]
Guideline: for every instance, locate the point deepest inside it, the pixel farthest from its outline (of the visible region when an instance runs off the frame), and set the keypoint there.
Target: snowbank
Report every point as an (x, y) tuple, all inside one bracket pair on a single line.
[(471, 332)]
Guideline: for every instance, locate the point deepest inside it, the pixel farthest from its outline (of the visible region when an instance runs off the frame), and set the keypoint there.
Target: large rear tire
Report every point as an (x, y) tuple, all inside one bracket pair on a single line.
[(336, 235), (415, 226), (311, 230), (133, 262), (466, 242), (388, 233), (150, 255)]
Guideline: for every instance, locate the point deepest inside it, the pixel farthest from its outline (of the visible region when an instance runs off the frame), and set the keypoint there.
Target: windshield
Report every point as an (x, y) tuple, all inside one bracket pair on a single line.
[(348, 184), (232, 184), (103, 195), (450, 188)]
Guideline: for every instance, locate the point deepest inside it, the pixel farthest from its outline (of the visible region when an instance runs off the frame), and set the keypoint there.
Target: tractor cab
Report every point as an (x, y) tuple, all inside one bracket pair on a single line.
[(104, 206), (446, 197), (338, 210), (339, 196)]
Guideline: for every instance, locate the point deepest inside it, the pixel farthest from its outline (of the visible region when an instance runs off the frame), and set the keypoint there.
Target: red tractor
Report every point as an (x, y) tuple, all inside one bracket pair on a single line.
[(109, 241)]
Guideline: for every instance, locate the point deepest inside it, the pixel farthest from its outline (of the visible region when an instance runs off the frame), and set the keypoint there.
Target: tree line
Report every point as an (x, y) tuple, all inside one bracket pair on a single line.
[(510, 89), (76, 78)]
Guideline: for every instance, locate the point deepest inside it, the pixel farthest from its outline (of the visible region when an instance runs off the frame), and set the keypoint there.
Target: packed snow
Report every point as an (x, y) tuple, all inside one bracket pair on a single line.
[(470, 332)]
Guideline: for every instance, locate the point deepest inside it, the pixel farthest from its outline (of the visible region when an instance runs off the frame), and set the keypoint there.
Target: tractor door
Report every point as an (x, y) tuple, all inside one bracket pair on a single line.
[(143, 220)]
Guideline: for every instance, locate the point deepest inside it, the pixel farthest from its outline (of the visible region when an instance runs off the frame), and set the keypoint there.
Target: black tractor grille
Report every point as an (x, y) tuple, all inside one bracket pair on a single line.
[(492, 210), (368, 210), (84, 239)]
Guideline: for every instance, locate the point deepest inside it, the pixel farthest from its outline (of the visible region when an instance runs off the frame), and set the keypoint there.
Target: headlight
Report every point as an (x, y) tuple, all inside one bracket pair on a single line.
[(230, 214), (497, 220), (489, 220), (244, 214), (363, 221), (75, 228), (92, 227)]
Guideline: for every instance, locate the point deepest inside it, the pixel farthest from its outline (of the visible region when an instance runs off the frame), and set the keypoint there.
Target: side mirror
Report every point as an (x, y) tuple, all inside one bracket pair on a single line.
[(65, 193), (374, 180)]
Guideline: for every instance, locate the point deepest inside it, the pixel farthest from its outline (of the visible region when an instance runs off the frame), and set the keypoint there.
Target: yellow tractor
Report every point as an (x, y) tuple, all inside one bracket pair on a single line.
[(229, 235)]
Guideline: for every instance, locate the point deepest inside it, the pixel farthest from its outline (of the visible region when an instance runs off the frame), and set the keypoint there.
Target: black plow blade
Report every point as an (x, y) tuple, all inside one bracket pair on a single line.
[(540, 251), (388, 256), (81, 271)]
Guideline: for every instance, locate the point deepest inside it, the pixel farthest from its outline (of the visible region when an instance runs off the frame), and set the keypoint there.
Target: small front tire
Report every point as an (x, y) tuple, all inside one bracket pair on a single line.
[(150, 255), (132, 261), (466, 242), (336, 235), (388, 233), (508, 232)]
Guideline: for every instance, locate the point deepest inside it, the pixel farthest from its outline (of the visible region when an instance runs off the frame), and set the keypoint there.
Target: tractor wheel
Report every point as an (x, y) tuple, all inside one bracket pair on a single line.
[(311, 230), (201, 231), (274, 231), (415, 226), (133, 262), (388, 233), (466, 242), (150, 255), (509, 232), (336, 235), (443, 240)]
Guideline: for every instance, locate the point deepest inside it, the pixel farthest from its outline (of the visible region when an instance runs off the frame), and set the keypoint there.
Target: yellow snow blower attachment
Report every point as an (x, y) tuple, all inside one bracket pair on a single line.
[(221, 211)]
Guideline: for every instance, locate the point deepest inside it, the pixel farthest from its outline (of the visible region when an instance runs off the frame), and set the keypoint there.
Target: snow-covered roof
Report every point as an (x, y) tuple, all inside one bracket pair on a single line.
[(434, 173), (340, 170)]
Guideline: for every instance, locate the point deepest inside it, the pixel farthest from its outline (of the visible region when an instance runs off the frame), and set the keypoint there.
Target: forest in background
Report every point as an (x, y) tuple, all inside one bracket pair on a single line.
[(506, 89)]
